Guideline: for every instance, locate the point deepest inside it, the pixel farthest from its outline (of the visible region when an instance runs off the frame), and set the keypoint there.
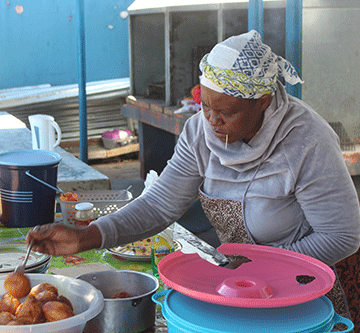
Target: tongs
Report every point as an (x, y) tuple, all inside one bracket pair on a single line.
[(21, 268)]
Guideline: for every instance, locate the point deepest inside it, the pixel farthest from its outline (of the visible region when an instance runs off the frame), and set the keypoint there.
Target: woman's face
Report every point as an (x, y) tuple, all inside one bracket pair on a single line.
[(238, 118)]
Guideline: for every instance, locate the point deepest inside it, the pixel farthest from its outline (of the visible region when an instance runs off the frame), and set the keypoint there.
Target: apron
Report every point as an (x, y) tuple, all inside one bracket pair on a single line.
[(228, 220), (348, 272)]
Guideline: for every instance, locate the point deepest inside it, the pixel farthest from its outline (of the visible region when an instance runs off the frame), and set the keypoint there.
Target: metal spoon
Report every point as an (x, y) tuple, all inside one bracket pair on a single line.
[(21, 268), (123, 192)]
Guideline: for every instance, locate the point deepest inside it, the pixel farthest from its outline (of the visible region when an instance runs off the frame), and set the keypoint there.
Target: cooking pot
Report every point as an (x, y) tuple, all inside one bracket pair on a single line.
[(123, 315), (186, 314)]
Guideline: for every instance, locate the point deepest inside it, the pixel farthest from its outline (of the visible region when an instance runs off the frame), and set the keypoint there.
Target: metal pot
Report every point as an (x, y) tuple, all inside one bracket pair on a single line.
[(123, 315)]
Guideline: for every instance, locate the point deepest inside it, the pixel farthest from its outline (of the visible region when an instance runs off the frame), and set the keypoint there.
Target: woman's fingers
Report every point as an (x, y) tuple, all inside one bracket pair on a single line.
[(45, 248), (54, 239)]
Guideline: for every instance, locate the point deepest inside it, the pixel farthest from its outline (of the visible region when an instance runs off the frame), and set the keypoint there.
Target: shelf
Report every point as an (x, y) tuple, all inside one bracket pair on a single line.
[(96, 150)]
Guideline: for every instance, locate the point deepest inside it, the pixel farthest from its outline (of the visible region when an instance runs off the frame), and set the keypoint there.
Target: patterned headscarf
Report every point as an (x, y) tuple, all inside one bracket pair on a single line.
[(243, 66)]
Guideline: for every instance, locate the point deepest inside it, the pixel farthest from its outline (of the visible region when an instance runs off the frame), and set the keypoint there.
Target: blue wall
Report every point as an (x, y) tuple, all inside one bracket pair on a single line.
[(38, 41)]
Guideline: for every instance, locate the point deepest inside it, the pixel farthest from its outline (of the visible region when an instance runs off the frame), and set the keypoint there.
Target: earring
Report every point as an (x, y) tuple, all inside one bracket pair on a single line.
[(226, 143)]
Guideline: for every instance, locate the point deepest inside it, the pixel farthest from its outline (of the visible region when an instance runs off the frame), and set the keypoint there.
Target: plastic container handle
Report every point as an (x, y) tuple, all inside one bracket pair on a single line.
[(58, 131), (42, 182), (158, 295), (342, 320)]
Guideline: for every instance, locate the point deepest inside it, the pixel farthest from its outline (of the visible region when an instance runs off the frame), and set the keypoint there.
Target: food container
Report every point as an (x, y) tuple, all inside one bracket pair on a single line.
[(186, 314), (86, 300), (162, 244), (123, 315), (84, 213), (104, 201), (28, 181), (116, 138)]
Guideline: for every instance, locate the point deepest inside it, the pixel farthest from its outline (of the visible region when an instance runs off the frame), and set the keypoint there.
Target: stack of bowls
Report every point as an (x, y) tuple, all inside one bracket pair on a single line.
[(12, 255), (262, 295)]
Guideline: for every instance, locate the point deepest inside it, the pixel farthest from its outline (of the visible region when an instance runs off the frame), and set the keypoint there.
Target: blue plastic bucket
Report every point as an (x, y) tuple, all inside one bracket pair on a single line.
[(186, 314), (28, 181)]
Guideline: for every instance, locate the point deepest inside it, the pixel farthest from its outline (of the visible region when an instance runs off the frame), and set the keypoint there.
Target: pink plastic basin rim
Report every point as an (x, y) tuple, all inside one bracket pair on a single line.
[(274, 271)]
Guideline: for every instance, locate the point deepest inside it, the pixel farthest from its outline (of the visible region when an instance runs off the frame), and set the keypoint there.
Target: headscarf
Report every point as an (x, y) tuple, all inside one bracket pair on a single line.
[(243, 66)]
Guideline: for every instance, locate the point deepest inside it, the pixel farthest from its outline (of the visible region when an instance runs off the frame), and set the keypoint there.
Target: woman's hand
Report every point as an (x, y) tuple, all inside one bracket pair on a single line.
[(61, 239)]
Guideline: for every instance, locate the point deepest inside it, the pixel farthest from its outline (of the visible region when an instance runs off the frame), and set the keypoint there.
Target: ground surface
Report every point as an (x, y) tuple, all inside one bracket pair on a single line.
[(122, 172)]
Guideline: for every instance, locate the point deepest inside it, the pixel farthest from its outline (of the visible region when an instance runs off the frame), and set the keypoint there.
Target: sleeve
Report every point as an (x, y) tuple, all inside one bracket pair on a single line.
[(168, 199), (327, 196)]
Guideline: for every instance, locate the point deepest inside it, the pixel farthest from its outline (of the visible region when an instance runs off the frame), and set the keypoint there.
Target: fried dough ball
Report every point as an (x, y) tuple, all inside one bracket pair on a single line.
[(42, 304), (17, 284), (9, 303), (43, 287), (62, 298), (25, 321), (6, 317), (121, 294), (30, 311), (55, 310), (46, 296), (16, 322)]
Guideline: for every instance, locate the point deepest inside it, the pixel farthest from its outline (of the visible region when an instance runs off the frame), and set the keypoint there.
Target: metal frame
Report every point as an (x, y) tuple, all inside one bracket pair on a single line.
[(167, 57), (256, 16), (293, 44), (82, 79)]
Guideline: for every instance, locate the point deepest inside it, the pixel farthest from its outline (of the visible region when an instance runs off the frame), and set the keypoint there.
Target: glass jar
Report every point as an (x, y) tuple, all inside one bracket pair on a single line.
[(84, 213)]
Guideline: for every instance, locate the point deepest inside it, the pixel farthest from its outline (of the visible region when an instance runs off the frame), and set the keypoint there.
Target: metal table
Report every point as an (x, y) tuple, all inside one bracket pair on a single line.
[(159, 128)]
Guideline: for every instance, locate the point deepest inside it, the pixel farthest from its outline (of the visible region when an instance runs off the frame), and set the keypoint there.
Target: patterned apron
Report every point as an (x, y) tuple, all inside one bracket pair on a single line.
[(227, 218)]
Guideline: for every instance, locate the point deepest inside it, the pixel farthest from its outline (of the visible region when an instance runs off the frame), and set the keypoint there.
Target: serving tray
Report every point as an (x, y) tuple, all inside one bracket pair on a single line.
[(131, 253)]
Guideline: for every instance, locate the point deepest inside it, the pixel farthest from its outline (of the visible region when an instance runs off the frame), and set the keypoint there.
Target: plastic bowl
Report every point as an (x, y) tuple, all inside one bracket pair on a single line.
[(87, 301)]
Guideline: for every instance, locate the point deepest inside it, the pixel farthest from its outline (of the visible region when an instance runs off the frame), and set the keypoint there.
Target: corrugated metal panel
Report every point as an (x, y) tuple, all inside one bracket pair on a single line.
[(104, 102), (161, 6)]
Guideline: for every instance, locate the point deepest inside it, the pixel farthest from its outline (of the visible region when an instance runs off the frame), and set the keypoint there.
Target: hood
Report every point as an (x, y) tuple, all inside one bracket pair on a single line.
[(241, 156)]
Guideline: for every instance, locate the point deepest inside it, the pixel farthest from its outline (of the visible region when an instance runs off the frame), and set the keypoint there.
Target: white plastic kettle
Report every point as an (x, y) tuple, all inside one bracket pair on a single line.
[(44, 130)]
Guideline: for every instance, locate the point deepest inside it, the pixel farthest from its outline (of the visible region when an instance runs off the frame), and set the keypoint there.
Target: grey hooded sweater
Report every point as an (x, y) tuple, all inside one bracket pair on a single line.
[(299, 194)]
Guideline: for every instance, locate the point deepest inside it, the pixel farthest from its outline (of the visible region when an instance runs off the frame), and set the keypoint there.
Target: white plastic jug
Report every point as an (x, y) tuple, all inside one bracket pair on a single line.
[(43, 132)]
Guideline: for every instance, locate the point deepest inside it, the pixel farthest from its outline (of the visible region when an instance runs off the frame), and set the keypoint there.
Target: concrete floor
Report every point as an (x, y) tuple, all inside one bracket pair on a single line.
[(122, 173)]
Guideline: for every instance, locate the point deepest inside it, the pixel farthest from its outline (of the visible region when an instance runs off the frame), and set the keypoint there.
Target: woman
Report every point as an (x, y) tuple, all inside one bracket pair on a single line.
[(268, 168)]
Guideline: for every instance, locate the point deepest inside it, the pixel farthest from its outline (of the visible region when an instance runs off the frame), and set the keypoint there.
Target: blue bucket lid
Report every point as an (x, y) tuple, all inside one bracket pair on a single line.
[(198, 316), (30, 158)]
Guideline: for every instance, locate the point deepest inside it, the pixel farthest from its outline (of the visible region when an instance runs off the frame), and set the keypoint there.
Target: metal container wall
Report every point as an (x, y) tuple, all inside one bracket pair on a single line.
[(104, 100), (167, 43), (331, 70)]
